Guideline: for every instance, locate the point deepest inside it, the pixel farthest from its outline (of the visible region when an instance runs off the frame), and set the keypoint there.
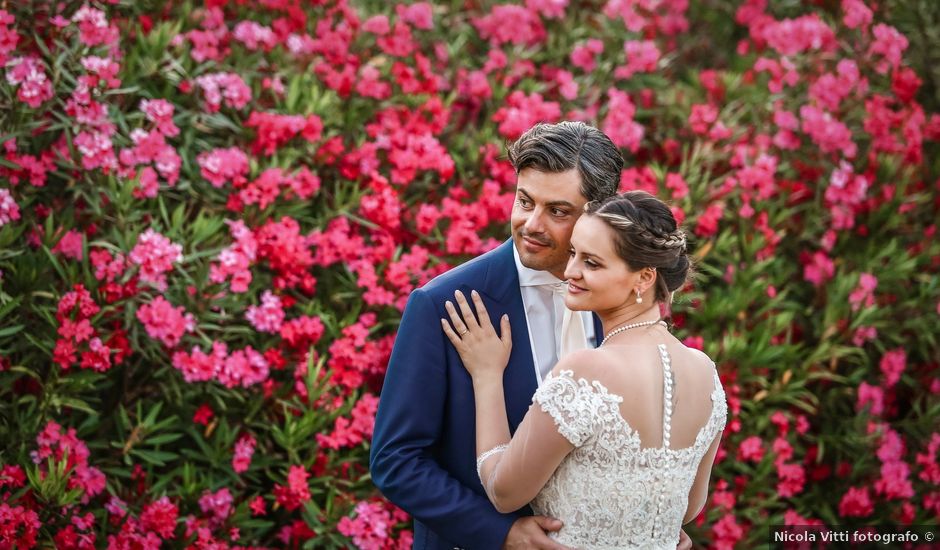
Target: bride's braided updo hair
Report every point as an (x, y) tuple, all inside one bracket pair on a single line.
[(646, 235)]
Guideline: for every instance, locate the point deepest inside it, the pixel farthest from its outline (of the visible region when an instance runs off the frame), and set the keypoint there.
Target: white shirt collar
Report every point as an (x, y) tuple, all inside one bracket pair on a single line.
[(532, 277)]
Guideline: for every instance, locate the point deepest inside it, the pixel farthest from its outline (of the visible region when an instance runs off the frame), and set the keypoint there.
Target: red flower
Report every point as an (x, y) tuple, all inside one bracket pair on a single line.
[(296, 492), (160, 517), (856, 503)]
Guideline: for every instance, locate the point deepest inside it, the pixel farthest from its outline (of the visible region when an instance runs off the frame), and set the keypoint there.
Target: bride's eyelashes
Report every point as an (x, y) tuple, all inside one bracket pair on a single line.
[(589, 263)]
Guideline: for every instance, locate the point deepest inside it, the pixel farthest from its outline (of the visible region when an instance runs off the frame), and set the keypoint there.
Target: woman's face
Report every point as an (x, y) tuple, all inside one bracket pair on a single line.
[(598, 278)]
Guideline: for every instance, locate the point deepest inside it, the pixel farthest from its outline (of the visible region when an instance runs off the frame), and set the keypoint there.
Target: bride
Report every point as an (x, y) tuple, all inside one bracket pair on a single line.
[(619, 441)]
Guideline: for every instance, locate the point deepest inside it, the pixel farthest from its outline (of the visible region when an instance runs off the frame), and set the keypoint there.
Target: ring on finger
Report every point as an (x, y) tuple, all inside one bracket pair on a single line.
[(464, 332)]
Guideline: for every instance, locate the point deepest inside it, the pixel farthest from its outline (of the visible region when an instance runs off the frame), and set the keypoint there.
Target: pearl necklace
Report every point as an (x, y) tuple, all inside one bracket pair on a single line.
[(628, 327)]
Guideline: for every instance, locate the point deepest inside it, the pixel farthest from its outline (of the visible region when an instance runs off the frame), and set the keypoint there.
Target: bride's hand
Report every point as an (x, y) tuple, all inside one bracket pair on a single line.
[(483, 352)]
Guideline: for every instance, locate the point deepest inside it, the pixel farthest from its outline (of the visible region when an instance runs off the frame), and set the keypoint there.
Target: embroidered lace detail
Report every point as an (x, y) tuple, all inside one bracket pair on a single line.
[(610, 492)]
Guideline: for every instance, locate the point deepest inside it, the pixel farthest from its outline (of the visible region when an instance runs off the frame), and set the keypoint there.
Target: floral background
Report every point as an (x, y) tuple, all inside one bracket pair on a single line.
[(211, 215)]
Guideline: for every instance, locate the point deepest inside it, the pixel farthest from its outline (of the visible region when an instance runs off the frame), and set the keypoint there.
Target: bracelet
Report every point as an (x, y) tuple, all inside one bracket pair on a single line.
[(482, 458)]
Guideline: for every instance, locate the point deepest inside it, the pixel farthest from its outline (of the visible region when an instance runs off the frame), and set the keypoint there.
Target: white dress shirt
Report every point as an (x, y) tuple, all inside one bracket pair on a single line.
[(544, 309)]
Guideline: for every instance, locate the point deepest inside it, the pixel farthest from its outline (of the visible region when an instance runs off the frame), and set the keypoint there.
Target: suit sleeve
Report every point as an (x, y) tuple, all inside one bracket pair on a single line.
[(408, 425)]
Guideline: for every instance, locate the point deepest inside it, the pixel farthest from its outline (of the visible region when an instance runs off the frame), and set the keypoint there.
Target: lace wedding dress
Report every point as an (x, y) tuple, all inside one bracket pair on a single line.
[(610, 492)]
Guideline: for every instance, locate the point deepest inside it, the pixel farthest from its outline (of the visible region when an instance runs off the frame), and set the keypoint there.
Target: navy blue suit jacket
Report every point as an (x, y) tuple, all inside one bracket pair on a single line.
[(423, 454)]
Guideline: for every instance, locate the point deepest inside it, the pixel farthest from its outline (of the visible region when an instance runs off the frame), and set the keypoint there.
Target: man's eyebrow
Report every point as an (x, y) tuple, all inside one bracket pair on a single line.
[(553, 203)]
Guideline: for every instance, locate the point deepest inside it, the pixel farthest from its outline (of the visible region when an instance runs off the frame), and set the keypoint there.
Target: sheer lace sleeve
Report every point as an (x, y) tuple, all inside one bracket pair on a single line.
[(560, 419), (571, 404)]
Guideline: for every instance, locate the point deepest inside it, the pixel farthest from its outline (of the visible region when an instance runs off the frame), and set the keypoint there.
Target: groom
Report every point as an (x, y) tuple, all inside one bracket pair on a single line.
[(423, 449)]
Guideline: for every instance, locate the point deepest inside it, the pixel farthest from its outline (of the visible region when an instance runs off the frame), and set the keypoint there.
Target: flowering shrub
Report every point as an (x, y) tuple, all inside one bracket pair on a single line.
[(210, 221)]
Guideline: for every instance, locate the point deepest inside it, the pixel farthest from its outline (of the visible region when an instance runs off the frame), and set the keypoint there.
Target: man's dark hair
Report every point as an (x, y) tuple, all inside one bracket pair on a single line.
[(566, 145)]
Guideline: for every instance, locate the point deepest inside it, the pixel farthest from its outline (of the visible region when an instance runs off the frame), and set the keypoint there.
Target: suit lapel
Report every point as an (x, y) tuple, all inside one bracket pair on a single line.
[(502, 287), (598, 330)]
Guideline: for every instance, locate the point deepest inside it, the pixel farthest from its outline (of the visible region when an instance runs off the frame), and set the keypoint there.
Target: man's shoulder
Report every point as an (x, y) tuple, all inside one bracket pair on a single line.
[(472, 272)]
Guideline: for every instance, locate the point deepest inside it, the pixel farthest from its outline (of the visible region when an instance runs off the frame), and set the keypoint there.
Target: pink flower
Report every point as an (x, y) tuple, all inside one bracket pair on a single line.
[(370, 84), (792, 478), (830, 89), (782, 72), (583, 56), (830, 134), (889, 44), (8, 35), (702, 117), (856, 503), (245, 367), (148, 147), (93, 27), (707, 223), (155, 254), (377, 24), (512, 24), (29, 74), (20, 526), (349, 433), (549, 9), (244, 449), (67, 447), (818, 269), (254, 36), (894, 482), (302, 332), (785, 138), (269, 316), (96, 150), (857, 14), (419, 15), (521, 112), (666, 17), (160, 517), (164, 322), (844, 195), (870, 395), (107, 267), (677, 185), (864, 292), (370, 529), (727, 532), (752, 448), (219, 166), (274, 130), (160, 112), (642, 57), (149, 184), (864, 334), (619, 124), (216, 506), (235, 260), (892, 366), (257, 506), (102, 68), (297, 490), (926, 460), (71, 245), (792, 36), (224, 86), (9, 210), (12, 476)]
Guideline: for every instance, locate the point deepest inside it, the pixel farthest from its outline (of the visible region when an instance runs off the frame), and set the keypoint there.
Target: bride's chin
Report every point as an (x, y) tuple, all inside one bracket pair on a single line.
[(578, 305)]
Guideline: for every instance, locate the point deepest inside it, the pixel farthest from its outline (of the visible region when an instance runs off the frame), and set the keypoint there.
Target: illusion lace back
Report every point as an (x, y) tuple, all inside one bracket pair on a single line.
[(610, 492)]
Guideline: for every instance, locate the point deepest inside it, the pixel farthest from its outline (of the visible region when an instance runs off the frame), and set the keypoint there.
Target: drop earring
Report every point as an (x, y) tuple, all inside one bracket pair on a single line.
[(639, 299)]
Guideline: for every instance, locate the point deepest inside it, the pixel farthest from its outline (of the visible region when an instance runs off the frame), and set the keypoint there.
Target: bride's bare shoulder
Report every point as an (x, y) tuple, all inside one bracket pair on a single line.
[(597, 363)]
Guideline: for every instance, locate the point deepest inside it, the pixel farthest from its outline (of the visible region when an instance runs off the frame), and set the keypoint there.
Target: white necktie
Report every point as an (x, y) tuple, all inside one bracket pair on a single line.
[(572, 337)]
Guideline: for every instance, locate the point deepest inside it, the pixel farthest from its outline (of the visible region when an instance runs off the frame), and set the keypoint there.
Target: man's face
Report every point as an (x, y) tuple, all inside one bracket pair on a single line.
[(546, 207)]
